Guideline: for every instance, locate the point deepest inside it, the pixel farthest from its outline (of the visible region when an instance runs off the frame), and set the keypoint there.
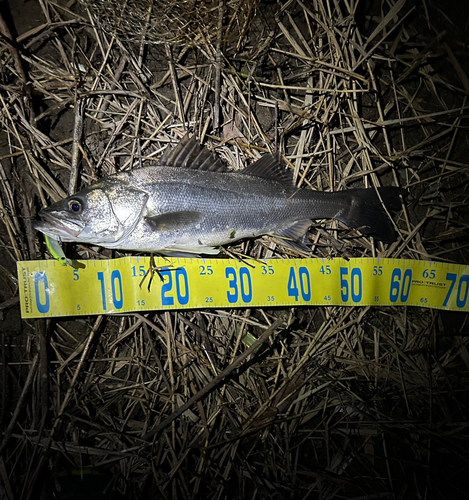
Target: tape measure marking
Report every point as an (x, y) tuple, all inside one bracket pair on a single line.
[(49, 289)]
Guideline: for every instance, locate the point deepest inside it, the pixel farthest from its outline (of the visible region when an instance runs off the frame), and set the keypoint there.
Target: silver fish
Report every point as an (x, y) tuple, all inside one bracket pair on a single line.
[(188, 204)]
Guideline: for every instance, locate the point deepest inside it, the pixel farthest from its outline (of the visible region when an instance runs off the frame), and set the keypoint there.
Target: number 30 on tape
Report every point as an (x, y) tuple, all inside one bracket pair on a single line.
[(112, 286)]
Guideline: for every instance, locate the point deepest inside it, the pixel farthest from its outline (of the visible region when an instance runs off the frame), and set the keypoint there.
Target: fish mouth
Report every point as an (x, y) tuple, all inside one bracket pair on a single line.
[(57, 227)]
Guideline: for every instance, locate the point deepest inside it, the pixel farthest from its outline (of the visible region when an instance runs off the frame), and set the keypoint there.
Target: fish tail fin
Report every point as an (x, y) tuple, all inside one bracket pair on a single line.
[(365, 211)]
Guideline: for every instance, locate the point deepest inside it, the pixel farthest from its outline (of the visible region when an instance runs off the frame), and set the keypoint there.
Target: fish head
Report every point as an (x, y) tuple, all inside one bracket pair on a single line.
[(101, 214)]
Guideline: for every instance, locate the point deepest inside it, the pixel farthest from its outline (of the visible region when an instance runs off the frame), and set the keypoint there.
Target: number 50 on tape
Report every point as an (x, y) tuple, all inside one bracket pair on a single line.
[(112, 286)]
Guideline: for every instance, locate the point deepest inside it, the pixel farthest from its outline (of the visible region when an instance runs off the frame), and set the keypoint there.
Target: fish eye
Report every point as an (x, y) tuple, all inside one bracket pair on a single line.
[(75, 206)]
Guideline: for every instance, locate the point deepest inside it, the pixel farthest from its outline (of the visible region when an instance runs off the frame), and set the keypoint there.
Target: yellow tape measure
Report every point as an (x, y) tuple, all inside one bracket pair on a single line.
[(112, 286)]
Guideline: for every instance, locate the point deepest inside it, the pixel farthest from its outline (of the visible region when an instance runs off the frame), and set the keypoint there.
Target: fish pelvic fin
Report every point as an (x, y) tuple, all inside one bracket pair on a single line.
[(365, 211), (189, 153)]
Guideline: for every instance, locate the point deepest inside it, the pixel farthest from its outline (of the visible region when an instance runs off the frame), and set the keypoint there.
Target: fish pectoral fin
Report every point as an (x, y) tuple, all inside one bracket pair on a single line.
[(269, 167), (296, 234), (174, 220)]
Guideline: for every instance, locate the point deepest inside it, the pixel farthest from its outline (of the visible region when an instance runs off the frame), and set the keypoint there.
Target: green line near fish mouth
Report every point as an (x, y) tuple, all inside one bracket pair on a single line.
[(57, 252)]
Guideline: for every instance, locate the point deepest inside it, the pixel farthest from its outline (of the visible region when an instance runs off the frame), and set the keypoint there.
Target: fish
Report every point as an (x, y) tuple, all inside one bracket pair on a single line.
[(189, 203)]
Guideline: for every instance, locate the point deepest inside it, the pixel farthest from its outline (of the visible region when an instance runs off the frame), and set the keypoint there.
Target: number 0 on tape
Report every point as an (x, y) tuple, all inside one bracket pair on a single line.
[(112, 286)]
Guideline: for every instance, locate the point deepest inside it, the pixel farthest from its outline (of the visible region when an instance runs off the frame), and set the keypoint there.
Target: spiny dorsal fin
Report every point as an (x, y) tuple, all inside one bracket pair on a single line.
[(189, 153), (271, 167)]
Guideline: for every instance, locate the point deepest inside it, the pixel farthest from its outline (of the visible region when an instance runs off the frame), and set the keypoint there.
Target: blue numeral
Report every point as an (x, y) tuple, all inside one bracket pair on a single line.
[(232, 296), (141, 271), (355, 287), (166, 288), (182, 292), (118, 302), (325, 269), (356, 284), (103, 291), (406, 283), (396, 285), (42, 307), (206, 270), (461, 301), (463, 291), (305, 284), (429, 273), (182, 299), (451, 277), (344, 284), (116, 275), (292, 286), (245, 284)]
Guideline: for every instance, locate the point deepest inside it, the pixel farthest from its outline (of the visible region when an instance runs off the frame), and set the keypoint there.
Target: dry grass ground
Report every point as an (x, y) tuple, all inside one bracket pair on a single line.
[(338, 402)]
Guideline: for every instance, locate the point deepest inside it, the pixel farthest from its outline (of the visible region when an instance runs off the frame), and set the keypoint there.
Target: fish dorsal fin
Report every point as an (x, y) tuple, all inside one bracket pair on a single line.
[(271, 167), (189, 153)]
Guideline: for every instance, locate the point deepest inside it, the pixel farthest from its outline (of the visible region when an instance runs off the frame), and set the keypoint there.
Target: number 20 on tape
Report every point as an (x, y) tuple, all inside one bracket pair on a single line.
[(112, 286)]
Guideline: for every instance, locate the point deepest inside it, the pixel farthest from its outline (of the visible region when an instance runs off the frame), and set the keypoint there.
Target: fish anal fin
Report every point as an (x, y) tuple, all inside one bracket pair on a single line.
[(296, 235), (271, 167), (174, 220), (189, 153)]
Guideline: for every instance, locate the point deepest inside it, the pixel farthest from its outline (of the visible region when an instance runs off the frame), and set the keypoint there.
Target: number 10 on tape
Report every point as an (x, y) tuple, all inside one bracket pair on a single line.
[(112, 286)]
